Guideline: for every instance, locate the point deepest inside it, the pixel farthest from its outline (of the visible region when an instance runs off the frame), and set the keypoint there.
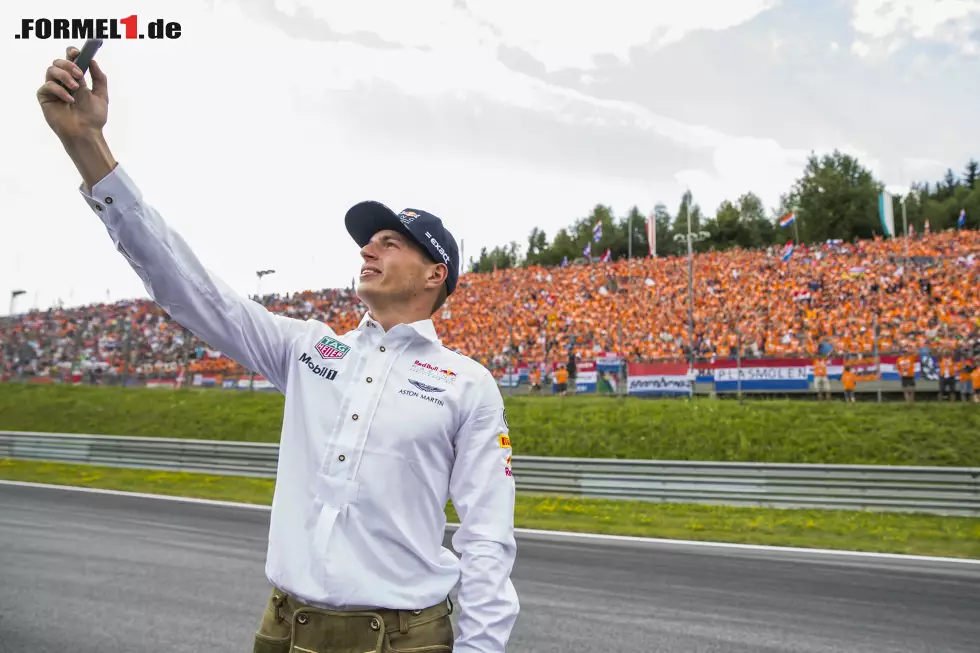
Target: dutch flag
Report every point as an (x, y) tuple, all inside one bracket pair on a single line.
[(597, 231), (787, 251), (787, 220)]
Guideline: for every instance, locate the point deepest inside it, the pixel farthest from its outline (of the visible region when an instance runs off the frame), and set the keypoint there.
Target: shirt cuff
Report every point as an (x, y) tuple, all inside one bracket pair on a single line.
[(112, 195)]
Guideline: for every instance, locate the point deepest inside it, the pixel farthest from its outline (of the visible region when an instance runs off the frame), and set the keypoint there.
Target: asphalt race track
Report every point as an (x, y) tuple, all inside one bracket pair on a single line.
[(94, 573)]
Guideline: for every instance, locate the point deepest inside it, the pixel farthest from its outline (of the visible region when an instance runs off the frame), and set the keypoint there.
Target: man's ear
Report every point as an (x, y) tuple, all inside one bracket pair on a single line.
[(437, 275)]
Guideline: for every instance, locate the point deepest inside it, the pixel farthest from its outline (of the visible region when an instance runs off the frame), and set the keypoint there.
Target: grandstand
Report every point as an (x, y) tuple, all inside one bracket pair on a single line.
[(842, 299)]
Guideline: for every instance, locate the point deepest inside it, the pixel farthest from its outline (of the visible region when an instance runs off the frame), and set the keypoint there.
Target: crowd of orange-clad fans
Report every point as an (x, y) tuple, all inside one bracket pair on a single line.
[(830, 296)]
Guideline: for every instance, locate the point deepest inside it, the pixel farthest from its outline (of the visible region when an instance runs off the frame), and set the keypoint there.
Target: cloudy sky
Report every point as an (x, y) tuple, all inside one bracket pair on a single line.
[(257, 128)]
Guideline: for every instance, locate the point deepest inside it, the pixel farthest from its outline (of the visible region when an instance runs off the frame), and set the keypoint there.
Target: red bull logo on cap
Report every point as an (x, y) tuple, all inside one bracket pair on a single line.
[(407, 217)]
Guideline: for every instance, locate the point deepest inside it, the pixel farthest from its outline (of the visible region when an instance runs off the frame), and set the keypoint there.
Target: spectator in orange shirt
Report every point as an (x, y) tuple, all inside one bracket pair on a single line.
[(947, 375), (849, 382), (975, 378), (535, 378), (561, 381), (906, 370), (821, 381), (966, 382)]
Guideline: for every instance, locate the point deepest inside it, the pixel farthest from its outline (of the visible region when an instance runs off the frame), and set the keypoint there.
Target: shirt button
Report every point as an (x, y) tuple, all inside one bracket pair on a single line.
[(369, 379), (341, 457), (108, 200), (354, 416), (382, 348), (98, 207)]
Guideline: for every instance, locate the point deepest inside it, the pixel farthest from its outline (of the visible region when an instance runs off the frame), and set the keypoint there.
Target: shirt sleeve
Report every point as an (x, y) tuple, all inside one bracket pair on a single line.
[(483, 491), (177, 281)]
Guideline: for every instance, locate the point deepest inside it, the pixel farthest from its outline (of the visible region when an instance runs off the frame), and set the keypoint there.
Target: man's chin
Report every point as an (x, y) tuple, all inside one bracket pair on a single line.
[(368, 289)]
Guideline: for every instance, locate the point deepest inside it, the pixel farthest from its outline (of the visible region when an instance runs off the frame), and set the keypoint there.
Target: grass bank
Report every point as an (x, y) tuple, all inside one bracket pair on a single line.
[(847, 530), (591, 427)]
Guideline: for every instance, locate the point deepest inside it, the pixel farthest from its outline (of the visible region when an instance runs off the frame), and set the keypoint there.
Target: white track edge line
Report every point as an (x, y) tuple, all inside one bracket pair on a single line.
[(140, 495), (600, 537)]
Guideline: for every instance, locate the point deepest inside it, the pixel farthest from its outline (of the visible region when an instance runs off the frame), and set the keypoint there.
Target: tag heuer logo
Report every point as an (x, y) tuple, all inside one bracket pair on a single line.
[(331, 348)]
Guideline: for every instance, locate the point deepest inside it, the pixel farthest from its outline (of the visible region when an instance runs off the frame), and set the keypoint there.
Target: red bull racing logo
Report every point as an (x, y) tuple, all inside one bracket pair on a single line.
[(407, 217), (434, 371)]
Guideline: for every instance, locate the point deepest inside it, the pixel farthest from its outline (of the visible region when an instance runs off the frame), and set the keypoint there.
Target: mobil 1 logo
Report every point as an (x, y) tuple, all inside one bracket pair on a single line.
[(320, 370)]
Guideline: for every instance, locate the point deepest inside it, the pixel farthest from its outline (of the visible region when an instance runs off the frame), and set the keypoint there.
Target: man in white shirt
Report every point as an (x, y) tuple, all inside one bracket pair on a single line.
[(382, 425)]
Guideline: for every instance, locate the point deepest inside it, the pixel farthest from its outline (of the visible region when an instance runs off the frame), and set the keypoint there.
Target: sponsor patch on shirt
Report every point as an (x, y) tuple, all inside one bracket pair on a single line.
[(508, 472), (504, 440), (324, 371), (436, 372), (419, 395), (331, 348), (424, 387)]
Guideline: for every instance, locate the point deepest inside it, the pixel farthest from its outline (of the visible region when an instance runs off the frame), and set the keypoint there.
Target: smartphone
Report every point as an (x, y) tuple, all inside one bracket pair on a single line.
[(87, 53), (85, 56)]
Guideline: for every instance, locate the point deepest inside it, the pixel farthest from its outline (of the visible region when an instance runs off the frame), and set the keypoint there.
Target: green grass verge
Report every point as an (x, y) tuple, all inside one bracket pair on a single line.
[(589, 427), (828, 529)]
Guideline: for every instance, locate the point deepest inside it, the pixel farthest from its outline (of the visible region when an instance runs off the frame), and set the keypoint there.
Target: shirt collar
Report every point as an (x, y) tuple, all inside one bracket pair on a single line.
[(424, 328)]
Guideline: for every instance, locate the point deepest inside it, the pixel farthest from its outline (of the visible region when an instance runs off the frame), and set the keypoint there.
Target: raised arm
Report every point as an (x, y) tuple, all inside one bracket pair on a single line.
[(171, 273)]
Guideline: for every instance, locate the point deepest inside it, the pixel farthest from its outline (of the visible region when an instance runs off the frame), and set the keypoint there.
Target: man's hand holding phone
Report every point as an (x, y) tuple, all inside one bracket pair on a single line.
[(77, 117), (72, 114)]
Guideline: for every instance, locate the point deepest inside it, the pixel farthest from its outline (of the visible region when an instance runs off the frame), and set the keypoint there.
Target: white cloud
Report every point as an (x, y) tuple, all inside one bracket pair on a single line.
[(886, 25), (742, 165), (860, 48), (236, 133), (919, 165), (559, 33), (563, 33)]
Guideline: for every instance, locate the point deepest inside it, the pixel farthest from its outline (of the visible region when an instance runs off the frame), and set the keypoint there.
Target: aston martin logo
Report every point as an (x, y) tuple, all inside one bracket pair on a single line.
[(425, 387)]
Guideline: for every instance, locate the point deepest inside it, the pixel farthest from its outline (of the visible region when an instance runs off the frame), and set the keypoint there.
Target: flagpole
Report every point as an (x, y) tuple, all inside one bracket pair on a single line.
[(629, 243), (796, 227), (905, 225), (629, 253)]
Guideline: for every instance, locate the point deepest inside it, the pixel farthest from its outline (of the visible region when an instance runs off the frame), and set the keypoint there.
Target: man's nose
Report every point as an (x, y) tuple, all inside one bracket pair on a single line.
[(368, 251)]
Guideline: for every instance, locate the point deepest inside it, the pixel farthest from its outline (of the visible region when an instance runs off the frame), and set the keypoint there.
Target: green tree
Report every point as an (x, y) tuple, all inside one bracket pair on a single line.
[(689, 207), (641, 242), (836, 197), (741, 224), (582, 231), (633, 222), (758, 228), (970, 175), (500, 258), (665, 235), (537, 247), (726, 228), (563, 247)]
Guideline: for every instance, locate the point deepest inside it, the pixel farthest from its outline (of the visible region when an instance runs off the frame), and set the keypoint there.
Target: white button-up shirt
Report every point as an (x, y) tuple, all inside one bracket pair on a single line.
[(380, 429)]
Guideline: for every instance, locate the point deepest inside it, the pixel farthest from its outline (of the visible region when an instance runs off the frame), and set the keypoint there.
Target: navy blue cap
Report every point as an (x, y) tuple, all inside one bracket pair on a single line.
[(368, 218)]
